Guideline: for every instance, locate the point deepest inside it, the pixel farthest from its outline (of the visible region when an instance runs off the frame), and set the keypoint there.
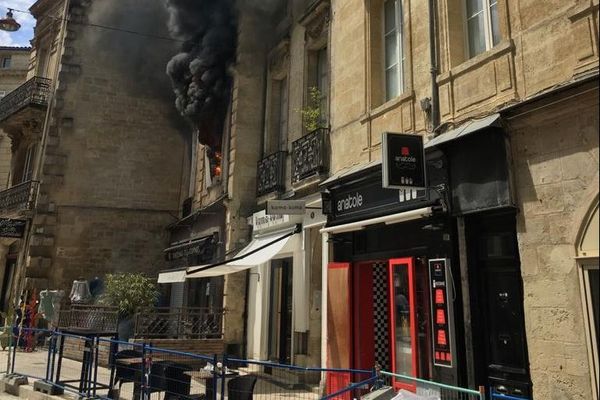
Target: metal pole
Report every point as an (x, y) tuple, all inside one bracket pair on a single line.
[(223, 376), (215, 386)]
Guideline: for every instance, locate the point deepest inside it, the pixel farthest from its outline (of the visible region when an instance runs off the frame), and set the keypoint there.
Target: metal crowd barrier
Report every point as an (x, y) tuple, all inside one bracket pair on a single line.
[(112, 369)]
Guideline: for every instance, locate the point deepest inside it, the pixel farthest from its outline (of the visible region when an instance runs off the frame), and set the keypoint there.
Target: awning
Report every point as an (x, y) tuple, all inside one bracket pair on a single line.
[(465, 129), (387, 219), (260, 250)]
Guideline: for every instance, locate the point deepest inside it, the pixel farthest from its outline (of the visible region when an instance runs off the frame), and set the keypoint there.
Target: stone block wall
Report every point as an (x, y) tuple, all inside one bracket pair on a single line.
[(556, 163), (113, 170)]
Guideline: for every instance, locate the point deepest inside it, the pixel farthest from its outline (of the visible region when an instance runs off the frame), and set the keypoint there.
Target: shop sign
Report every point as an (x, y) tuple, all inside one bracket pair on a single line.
[(403, 161), (12, 228), (368, 198), (261, 220), (441, 313), (286, 207)]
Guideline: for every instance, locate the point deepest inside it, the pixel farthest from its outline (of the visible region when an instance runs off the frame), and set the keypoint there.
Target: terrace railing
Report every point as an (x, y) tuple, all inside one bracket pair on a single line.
[(179, 323), (35, 92), (20, 197)]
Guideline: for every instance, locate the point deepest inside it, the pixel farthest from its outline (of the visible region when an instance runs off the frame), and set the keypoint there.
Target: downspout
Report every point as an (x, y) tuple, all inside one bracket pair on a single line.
[(433, 54)]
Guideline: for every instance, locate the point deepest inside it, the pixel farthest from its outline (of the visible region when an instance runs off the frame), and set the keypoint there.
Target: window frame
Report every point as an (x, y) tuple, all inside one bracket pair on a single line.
[(401, 56), (591, 320), (29, 163), (5, 60), (487, 26)]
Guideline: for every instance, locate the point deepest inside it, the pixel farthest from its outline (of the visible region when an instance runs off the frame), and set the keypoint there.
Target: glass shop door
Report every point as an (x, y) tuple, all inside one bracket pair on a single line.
[(403, 329)]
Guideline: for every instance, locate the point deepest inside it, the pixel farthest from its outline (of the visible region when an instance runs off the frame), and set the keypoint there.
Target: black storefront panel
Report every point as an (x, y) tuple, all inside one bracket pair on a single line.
[(479, 173)]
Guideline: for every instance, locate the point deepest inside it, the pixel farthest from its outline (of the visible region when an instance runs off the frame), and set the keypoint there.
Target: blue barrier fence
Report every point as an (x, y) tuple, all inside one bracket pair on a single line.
[(106, 368)]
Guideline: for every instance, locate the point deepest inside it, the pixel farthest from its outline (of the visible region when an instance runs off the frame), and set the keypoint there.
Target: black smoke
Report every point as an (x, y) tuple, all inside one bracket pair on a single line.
[(200, 73)]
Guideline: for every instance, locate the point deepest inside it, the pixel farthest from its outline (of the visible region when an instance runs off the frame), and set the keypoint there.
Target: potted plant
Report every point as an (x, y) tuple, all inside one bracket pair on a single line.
[(128, 292)]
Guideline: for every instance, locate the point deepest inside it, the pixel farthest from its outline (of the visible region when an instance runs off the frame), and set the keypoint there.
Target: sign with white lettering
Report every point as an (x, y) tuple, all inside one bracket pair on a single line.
[(441, 313), (403, 161), (286, 207), (12, 228)]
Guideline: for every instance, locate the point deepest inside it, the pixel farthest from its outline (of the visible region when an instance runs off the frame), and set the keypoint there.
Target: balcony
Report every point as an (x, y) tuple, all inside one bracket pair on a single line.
[(309, 155), (33, 94), (270, 175), (18, 199)]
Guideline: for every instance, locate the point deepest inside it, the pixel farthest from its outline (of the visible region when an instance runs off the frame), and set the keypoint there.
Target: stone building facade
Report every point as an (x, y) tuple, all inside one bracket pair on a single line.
[(532, 72), (97, 144)]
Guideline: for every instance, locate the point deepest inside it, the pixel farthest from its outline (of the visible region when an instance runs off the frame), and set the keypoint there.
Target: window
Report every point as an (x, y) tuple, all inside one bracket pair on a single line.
[(29, 163), (394, 49), (322, 80), (591, 280), (282, 114), (6, 61), (483, 31)]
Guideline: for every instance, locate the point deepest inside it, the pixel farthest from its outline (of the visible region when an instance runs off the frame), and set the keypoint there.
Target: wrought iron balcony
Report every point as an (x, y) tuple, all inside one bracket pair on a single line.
[(309, 155), (18, 198), (35, 92), (270, 175)]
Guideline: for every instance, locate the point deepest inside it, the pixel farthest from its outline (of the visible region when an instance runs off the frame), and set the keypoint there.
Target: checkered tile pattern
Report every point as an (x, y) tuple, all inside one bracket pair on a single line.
[(380, 315)]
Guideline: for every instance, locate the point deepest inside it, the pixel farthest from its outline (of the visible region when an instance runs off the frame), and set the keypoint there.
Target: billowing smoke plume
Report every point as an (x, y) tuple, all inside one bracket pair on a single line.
[(200, 73)]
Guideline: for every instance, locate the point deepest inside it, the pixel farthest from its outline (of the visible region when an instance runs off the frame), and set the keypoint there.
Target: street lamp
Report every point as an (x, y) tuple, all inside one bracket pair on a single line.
[(8, 23)]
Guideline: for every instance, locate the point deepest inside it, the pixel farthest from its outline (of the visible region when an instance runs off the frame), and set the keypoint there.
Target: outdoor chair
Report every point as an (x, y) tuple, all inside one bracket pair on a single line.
[(241, 387), (178, 382), (125, 373)]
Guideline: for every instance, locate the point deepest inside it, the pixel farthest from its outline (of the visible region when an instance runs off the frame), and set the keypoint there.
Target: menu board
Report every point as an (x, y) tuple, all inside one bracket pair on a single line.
[(441, 312)]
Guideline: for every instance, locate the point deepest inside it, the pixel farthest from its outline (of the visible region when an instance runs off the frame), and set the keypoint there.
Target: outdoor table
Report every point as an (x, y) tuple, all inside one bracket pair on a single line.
[(208, 376)]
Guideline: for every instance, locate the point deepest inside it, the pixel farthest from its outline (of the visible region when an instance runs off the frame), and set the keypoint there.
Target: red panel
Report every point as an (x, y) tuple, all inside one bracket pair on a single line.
[(337, 381), (403, 263), (339, 316), (363, 333)]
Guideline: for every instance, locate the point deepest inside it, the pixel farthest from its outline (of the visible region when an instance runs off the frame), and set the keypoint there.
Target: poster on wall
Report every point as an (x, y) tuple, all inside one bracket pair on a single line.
[(403, 161), (441, 313)]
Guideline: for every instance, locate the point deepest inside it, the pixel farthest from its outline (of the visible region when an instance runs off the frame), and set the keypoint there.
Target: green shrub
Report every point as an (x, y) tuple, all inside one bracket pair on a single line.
[(128, 292)]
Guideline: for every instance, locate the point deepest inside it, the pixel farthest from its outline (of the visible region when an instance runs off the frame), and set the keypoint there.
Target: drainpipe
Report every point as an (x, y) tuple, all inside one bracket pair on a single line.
[(435, 97)]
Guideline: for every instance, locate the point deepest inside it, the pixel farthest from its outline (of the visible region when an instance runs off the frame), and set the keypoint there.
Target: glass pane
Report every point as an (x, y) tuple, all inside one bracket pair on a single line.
[(594, 278), (402, 327), (391, 83), (391, 50), (390, 15), (473, 7), (494, 23), (476, 35)]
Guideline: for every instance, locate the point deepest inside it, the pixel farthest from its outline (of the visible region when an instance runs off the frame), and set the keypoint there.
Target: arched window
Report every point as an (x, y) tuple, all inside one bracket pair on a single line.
[(587, 256)]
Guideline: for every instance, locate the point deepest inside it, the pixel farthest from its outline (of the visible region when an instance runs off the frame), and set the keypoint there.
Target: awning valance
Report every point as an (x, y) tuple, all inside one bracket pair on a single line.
[(260, 250)]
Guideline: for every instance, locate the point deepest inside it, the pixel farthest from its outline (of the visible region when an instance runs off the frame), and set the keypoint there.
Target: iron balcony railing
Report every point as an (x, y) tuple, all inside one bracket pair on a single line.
[(179, 323), (270, 175), (34, 92), (20, 197), (309, 155)]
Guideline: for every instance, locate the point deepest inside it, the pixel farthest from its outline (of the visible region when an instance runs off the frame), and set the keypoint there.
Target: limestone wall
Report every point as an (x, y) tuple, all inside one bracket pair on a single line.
[(112, 172), (556, 165)]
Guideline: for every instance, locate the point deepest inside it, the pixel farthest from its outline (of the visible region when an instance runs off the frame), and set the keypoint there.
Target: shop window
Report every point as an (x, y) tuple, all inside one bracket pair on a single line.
[(591, 295), (483, 31), (388, 53), (6, 62)]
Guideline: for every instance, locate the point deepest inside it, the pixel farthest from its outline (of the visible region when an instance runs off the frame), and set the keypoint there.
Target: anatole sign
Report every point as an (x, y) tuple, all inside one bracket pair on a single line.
[(403, 161)]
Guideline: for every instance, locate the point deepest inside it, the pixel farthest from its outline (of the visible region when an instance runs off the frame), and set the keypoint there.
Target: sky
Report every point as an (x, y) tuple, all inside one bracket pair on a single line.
[(23, 35)]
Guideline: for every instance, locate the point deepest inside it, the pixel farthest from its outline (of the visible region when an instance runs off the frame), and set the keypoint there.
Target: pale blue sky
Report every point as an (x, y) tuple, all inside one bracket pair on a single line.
[(23, 35)]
